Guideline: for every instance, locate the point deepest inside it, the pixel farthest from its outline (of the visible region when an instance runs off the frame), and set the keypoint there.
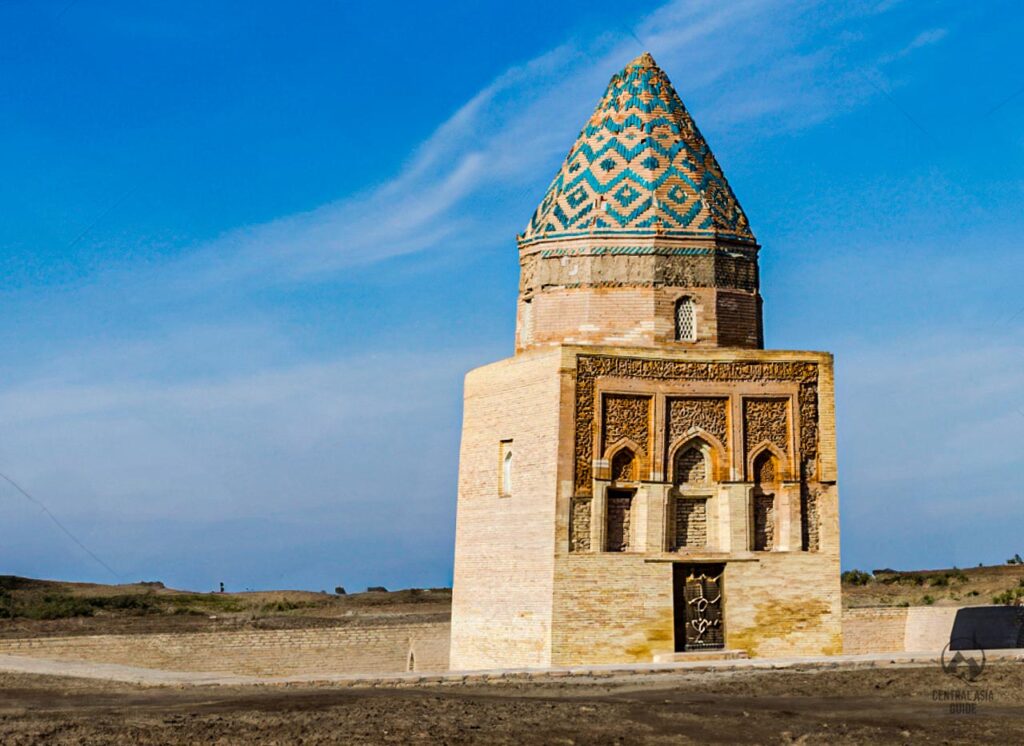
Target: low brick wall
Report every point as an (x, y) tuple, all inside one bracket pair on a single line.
[(349, 649), (874, 630), (886, 629)]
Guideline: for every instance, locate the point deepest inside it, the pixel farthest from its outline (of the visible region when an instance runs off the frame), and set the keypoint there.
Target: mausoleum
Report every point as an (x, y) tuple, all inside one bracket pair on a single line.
[(642, 479)]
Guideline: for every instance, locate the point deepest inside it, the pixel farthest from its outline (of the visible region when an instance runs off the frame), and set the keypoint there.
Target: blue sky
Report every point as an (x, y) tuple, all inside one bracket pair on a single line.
[(248, 251)]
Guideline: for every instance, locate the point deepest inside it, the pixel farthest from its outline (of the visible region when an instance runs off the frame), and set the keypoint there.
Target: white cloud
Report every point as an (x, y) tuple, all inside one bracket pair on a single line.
[(751, 67)]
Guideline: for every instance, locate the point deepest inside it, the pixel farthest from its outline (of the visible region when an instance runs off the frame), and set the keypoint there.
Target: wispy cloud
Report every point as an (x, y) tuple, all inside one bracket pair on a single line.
[(758, 67)]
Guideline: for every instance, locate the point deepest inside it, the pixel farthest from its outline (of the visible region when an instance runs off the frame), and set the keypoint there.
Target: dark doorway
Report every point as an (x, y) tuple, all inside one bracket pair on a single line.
[(697, 602)]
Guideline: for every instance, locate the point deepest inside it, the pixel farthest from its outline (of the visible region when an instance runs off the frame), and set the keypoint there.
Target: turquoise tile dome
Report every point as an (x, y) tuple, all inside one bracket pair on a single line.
[(640, 167)]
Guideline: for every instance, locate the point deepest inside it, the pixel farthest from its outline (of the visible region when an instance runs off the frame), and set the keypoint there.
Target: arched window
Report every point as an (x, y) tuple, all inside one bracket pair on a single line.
[(691, 466), (686, 320), (506, 471), (766, 474), (766, 468), (623, 466)]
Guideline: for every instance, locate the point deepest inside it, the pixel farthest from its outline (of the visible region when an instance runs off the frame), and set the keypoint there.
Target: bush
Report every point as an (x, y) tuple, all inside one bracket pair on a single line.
[(339, 590), (55, 606), (376, 589), (927, 600), (1010, 597), (855, 577), (1015, 560)]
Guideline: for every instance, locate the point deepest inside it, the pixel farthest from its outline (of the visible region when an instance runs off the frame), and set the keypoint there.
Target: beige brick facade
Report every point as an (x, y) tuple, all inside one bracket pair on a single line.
[(531, 591), (673, 485)]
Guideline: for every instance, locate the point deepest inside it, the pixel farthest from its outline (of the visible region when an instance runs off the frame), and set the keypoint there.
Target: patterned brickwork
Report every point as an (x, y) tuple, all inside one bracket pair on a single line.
[(764, 522), (620, 514), (640, 167), (690, 467)]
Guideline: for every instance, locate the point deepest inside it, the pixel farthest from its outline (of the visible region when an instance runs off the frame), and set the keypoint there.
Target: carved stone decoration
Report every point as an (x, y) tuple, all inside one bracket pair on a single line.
[(590, 367), (808, 406), (627, 417), (765, 419), (707, 414), (809, 524), (527, 275), (579, 529)]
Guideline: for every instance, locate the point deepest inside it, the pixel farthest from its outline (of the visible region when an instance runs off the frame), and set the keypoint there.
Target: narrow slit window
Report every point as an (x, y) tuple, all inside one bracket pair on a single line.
[(505, 477), (686, 320)]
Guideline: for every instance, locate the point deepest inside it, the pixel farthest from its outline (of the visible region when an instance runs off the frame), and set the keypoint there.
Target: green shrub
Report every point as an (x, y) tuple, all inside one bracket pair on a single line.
[(855, 577), (54, 606), (138, 603), (927, 600), (1010, 597)]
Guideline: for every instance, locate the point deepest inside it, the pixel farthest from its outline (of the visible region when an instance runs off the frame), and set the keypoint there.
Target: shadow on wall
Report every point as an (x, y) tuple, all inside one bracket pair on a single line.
[(988, 628)]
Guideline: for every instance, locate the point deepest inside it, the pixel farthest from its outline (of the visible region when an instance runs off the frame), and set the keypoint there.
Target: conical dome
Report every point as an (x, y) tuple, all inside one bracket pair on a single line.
[(640, 167)]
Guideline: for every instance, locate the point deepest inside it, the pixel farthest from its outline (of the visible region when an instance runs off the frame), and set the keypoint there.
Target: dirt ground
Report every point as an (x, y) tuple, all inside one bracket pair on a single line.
[(894, 705)]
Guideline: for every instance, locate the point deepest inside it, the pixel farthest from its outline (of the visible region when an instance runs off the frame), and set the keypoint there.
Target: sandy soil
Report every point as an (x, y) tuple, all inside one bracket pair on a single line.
[(861, 706)]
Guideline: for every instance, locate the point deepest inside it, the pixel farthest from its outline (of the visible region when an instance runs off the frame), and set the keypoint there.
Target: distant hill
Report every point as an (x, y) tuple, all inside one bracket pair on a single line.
[(969, 586), (30, 607)]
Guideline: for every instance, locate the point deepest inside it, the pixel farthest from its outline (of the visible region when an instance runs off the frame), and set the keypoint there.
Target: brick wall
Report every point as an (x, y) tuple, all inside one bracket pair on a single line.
[(504, 546), (349, 649), (874, 630), (911, 629)]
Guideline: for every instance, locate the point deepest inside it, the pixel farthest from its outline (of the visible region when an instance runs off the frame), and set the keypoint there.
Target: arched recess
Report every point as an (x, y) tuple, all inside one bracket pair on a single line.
[(767, 455), (627, 461), (708, 445), (766, 474)]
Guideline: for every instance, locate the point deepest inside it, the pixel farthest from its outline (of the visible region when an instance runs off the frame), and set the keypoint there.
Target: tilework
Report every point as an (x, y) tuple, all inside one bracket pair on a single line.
[(639, 167)]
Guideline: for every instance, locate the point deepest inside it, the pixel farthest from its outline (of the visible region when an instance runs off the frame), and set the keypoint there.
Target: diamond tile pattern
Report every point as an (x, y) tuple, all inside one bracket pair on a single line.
[(639, 167)]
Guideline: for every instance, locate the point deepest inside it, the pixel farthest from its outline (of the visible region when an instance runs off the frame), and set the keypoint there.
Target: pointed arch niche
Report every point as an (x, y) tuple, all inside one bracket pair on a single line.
[(766, 473), (693, 465)]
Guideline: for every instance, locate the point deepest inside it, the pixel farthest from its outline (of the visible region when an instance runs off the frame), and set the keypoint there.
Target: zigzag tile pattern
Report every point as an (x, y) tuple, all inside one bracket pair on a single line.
[(639, 167)]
